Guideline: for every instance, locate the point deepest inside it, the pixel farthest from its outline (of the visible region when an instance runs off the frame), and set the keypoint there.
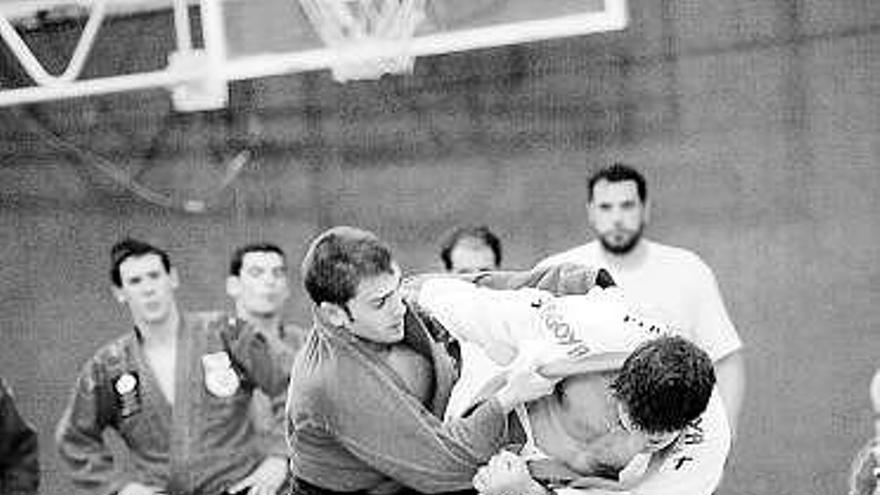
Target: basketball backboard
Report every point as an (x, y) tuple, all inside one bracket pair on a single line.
[(247, 39), (270, 27)]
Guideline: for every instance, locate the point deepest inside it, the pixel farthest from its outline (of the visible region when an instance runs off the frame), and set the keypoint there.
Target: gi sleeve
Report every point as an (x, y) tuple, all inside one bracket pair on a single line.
[(79, 439), (496, 320), (569, 334), (19, 462), (276, 441), (558, 279), (395, 435), (264, 359)]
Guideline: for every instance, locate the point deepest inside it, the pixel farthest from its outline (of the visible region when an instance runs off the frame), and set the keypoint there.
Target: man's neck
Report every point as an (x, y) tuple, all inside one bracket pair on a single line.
[(162, 333), (381, 349), (623, 261), (266, 324), (582, 407), (555, 434)]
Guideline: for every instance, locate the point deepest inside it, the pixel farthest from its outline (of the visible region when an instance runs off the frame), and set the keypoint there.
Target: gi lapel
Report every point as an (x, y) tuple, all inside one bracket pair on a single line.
[(438, 349), (189, 340)]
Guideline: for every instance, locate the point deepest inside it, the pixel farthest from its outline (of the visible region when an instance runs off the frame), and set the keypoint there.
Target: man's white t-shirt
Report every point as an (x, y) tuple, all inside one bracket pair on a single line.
[(669, 284)]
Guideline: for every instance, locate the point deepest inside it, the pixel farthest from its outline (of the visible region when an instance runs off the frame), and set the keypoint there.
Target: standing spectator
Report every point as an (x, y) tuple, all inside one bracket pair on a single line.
[(259, 287), (19, 459), (177, 389), (863, 479), (470, 249), (669, 283)]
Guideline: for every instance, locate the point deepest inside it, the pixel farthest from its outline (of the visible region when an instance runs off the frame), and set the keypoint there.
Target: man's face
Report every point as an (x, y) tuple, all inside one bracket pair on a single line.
[(147, 289), (653, 441), (470, 256), (617, 215), (376, 312), (261, 287)]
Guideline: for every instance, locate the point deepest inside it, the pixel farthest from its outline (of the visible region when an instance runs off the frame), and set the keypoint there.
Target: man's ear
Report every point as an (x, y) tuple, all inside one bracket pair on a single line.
[(590, 215), (286, 291), (333, 314), (233, 286), (118, 294), (175, 280)]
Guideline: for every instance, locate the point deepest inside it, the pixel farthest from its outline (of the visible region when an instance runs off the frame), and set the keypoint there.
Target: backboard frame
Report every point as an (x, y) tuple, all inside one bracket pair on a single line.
[(211, 67)]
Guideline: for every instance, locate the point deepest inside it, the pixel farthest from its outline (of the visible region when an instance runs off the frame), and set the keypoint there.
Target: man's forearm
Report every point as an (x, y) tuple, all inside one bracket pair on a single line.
[(266, 359), (562, 279)]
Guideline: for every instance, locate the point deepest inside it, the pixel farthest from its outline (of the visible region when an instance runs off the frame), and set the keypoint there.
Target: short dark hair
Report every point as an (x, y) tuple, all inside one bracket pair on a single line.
[(339, 259), (618, 172), (127, 248), (256, 247), (665, 384), (478, 232)]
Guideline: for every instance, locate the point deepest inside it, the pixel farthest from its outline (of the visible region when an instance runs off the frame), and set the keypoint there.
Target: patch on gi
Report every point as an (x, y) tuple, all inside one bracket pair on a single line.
[(128, 394), (220, 379)]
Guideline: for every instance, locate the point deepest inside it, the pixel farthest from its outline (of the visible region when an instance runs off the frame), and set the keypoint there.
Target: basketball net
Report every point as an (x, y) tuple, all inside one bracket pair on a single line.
[(349, 24)]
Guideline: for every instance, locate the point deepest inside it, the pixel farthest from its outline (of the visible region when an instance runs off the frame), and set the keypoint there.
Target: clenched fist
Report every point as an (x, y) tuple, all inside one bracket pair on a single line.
[(506, 474)]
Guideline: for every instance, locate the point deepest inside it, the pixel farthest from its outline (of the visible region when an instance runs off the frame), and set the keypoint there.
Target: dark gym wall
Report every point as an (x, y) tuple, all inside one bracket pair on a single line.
[(756, 124)]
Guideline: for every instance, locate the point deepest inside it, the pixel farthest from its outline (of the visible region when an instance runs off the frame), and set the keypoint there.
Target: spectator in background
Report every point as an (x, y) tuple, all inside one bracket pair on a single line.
[(177, 389), (259, 287), (669, 283), (469, 249), (19, 459), (863, 476), (863, 472)]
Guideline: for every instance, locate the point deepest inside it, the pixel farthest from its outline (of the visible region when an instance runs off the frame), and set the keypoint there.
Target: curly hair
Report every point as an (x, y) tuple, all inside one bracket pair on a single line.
[(665, 384)]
